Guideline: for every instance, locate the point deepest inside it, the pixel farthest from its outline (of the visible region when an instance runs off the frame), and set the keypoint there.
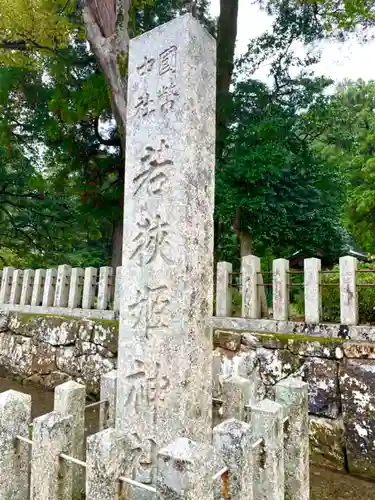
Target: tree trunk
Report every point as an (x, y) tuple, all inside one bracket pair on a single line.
[(226, 43), (246, 243), (117, 244), (106, 23)]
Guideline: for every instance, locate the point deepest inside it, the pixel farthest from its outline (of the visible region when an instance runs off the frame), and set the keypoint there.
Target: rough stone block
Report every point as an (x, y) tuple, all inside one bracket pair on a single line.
[(324, 395), (327, 442), (227, 339), (362, 350), (15, 415), (357, 384), (276, 364)]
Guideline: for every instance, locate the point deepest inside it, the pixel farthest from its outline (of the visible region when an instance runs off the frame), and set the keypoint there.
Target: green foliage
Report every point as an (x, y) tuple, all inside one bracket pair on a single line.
[(289, 196), (349, 141)]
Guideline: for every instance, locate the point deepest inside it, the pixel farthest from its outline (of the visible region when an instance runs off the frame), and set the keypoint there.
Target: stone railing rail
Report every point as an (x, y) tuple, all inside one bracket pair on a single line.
[(260, 449), (253, 290), (88, 292)]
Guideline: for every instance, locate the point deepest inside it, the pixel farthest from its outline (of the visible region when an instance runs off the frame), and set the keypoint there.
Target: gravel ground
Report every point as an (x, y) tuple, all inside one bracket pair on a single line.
[(328, 485)]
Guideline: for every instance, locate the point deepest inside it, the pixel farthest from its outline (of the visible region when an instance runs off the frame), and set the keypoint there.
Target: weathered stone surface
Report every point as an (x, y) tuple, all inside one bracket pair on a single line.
[(185, 470), (330, 349), (70, 400), (44, 358), (324, 395), (292, 394), (67, 361), (233, 441), (4, 321), (52, 435), (223, 289), (105, 333), (327, 442), (267, 422), (165, 344), (250, 340), (227, 339), (54, 379), (276, 364), (359, 350), (109, 456), (357, 383), (92, 367), (15, 414)]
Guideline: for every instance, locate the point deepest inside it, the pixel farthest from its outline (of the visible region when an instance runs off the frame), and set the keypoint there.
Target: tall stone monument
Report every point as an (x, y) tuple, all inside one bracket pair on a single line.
[(164, 362)]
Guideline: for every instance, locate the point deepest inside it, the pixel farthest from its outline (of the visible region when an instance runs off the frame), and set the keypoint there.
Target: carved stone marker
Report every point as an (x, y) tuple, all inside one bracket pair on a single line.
[(164, 363)]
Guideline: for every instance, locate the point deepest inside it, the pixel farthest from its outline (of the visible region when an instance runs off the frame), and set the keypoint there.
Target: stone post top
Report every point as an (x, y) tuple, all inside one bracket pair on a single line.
[(70, 385), (232, 426), (182, 449), (185, 19), (51, 419), (14, 396), (268, 406), (292, 383)]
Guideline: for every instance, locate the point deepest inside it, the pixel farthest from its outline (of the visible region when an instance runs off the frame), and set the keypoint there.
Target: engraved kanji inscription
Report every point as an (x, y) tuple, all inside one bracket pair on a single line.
[(145, 105), (148, 389), (153, 177), (152, 240), (167, 61), (167, 95), (146, 67), (151, 308)]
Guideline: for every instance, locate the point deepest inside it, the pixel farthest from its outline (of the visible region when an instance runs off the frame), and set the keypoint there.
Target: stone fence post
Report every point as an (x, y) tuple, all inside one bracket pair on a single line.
[(89, 287), (51, 477), (108, 387), (6, 284), (233, 441), (348, 291), (15, 292), (223, 289), (250, 267), (39, 280), (49, 287), (267, 424), (70, 400), (76, 288), (15, 415), (105, 287), (185, 471), (292, 394), (313, 296), (109, 455), (280, 290), (62, 286)]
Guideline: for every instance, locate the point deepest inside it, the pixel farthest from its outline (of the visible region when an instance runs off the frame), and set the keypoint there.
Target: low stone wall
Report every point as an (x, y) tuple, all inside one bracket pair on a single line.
[(48, 350), (341, 379)]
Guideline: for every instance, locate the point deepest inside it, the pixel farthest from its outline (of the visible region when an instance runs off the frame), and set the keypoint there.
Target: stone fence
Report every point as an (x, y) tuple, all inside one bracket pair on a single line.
[(260, 450), (253, 288), (78, 292)]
